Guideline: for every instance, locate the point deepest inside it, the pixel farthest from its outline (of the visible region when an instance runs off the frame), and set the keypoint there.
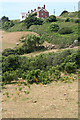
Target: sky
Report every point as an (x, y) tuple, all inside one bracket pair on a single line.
[(13, 8)]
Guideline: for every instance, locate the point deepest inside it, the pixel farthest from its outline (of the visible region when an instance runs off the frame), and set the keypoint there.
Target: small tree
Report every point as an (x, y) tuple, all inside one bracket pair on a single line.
[(32, 41), (51, 18), (54, 27), (4, 19), (67, 20), (70, 67), (64, 12), (33, 20)]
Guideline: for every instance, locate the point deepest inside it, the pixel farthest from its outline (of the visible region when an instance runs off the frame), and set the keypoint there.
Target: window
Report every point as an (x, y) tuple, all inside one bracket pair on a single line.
[(22, 16), (42, 13)]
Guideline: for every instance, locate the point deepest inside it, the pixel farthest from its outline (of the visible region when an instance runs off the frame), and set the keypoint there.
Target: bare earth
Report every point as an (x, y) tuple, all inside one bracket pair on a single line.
[(9, 39), (55, 100)]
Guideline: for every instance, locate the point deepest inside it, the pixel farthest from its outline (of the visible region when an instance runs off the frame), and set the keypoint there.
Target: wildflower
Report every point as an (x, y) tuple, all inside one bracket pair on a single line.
[(17, 92), (36, 79), (21, 81), (69, 78)]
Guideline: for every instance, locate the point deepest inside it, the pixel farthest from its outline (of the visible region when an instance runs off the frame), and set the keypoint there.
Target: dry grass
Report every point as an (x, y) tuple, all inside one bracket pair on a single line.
[(9, 39), (55, 100)]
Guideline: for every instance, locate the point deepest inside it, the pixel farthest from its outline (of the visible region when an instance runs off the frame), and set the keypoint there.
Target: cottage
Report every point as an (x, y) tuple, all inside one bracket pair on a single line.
[(41, 13)]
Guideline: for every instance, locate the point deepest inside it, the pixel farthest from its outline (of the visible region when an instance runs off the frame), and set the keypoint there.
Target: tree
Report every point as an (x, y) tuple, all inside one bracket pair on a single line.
[(51, 18), (4, 19), (32, 41), (64, 12), (54, 27), (7, 24), (33, 20)]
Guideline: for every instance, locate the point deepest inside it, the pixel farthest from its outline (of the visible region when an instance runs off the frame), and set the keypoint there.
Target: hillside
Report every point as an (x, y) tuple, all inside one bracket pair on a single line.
[(61, 40), (40, 66), (9, 39), (70, 14)]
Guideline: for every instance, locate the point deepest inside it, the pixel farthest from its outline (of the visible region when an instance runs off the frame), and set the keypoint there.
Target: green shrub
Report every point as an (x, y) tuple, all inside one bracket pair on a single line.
[(65, 30), (4, 19), (67, 20), (8, 51), (51, 18), (70, 67), (77, 21), (41, 76), (10, 63), (8, 24), (33, 20), (54, 27), (32, 76), (9, 76), (78, 58), (64, 12)]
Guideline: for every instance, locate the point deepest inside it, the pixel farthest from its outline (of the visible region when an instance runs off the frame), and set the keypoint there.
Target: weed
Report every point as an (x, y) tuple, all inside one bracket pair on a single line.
[(26, 92), (7, 94), (20, 88)]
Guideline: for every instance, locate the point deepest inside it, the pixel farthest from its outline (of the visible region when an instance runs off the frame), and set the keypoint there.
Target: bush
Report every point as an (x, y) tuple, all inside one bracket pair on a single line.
[(41, 76), (67, 20), (65, 30), (4, 19), (33, 20), (8, 24), (8, 51), (70, 67), (51, 18), (9, 76), (10, 63), (64, 12), (77, 21), (54, 27)]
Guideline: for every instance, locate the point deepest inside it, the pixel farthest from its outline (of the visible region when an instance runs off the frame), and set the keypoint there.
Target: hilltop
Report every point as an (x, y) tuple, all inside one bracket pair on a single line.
[(70, 14)]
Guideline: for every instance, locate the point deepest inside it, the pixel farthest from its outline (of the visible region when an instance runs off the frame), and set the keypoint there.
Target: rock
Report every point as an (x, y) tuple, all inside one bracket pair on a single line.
[(71, 46), (35, 101), (75, 41), (64, 93), (17, 43)]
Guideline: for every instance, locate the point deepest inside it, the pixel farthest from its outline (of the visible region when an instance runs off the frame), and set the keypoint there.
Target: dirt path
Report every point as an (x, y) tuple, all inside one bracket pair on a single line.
[(55, 100), (47, 51)]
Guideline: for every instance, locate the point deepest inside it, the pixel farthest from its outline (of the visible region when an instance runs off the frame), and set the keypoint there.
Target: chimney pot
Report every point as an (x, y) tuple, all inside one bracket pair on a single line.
[(44, 7), (31, 11), (38, 7)]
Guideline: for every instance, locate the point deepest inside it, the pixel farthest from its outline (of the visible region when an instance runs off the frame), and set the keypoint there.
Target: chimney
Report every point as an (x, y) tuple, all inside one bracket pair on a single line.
[(38, 7), (34, 9), (31, 11), (44, 7)]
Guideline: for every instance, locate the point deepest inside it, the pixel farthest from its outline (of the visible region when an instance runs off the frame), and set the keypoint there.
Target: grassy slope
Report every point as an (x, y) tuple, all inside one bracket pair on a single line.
[(10, 39), (70, 14), (52, 37), (55, 37), (19, 26)]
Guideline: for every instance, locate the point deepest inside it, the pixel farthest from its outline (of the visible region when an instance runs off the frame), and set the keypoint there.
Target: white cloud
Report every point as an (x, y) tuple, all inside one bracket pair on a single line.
[(39, 1)]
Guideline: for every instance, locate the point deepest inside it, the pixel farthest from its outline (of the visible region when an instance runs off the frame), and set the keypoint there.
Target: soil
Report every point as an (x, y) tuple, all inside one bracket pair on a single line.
[(55, 100), (9, 39)]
